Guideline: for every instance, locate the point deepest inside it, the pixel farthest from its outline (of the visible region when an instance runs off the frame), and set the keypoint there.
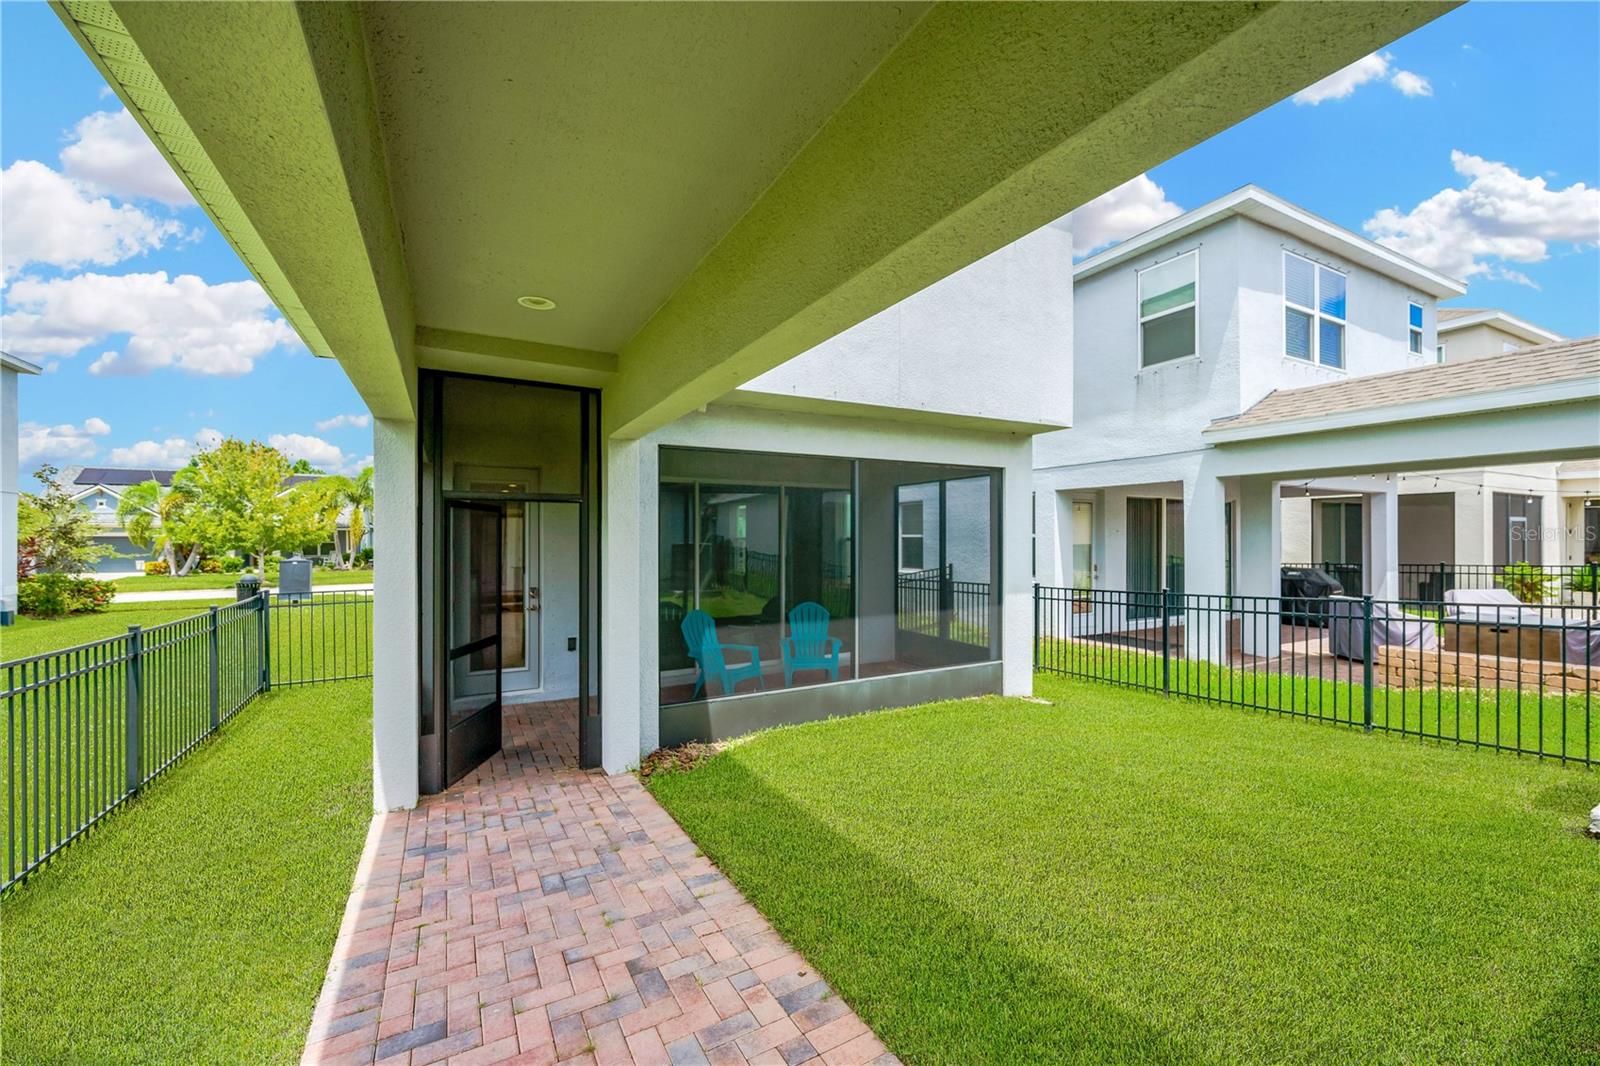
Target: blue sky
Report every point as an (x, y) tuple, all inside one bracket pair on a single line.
[(1473, 144)]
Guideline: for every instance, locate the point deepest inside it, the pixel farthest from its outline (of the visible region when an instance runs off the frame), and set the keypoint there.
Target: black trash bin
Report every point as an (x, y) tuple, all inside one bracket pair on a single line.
[(1305, 591), (247, 587)]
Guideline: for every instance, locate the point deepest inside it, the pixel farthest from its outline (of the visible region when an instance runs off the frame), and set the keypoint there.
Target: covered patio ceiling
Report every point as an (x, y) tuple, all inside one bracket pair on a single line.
[(703, 191)]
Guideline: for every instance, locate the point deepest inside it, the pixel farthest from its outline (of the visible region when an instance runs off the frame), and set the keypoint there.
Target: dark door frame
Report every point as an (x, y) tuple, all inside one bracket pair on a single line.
[(432, 575), (468, 743)]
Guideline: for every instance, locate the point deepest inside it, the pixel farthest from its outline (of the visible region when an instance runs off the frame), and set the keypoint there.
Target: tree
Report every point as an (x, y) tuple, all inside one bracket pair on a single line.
[(241, 503), (355, 495), (303, 466), (163, 521), (54, 534)]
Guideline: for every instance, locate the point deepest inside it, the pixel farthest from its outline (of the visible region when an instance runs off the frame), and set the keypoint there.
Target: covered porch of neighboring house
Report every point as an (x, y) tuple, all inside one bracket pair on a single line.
[(1541, 403)]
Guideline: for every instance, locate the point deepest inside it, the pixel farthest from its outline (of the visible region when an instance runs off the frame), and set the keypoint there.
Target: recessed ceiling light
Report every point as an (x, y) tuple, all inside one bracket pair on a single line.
[(537, 303)]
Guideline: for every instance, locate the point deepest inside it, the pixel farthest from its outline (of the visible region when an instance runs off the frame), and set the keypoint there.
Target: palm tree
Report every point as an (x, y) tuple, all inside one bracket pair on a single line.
[(155, 519), (355, 495)]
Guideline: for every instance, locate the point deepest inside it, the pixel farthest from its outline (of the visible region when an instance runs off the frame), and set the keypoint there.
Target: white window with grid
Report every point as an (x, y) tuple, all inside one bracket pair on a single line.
[(1313, 311)]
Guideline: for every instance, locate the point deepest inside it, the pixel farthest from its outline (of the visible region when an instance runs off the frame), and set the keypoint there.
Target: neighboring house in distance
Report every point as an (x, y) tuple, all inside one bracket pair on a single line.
[(1194, 321), (1474, 332), (11, 369), (1543, 513), (99, 489)]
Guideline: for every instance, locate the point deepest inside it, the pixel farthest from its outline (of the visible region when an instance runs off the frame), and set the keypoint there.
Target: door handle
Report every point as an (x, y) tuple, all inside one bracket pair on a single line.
[(533, 597)]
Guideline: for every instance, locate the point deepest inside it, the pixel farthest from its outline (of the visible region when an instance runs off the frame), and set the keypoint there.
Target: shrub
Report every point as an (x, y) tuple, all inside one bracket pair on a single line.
[(1585, 580), (231, 564), (364, 556), (157, 566), (55, 595), (1527, 582), (209, 566)]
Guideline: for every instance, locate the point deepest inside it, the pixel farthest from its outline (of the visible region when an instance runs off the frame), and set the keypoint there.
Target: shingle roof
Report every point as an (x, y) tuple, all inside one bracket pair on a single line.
[(1543, 365)]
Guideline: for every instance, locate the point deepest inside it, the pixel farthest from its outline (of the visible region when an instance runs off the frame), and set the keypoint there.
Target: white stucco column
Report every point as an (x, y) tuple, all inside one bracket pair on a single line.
[(1382, 572), (395, 617), (8, 494), (1205, 566), (629, 686), (1016, 620), (1258, 564)]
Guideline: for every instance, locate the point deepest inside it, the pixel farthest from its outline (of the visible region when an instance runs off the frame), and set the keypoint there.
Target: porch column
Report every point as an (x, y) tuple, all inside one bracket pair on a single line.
[(1382, 569), (395, 618), (1257, 565), (629, 677), (1204, 566), (1016, 606)]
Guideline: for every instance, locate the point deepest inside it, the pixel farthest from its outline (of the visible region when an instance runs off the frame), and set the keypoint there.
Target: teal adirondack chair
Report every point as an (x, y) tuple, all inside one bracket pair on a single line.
[(700, 634), (808, 646)]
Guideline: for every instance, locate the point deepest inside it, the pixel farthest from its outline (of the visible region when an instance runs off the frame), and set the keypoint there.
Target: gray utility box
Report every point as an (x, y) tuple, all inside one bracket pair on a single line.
[(294, 580)]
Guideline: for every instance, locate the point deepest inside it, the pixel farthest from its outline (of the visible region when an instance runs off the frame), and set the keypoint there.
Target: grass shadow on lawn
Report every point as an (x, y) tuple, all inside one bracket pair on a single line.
[(974, 978)]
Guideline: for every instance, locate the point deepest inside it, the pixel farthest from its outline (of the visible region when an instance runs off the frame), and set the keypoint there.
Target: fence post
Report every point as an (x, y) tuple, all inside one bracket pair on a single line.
[(1366, 663), (1036, 625), (135, 677), (1166, 642), (264, 611), (1442, 588), (216, 662)]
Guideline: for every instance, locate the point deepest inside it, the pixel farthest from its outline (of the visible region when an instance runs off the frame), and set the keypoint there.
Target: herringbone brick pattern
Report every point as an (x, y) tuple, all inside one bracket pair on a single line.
[(536, 913)]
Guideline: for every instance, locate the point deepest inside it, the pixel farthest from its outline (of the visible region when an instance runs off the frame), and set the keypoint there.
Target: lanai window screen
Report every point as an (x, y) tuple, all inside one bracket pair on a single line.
[(782, 571)]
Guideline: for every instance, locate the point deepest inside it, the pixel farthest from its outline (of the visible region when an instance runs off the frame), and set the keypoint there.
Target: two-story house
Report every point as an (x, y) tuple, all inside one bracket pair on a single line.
[(1194, 321), (98, 490)]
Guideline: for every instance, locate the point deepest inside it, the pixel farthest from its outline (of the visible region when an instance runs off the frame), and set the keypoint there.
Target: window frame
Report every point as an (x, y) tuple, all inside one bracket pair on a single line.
[(1314, 357), (1414, 333), (1140, 318), (901, 536)]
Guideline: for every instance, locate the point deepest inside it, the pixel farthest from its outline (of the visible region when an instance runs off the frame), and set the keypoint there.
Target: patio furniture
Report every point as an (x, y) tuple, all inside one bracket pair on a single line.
[(1495, 622), (1347, 637), (808, 646), (700, 634)]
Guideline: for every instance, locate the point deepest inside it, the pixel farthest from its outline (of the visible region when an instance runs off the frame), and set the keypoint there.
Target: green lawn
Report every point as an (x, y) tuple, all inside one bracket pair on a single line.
[(162, 582), (195, 925), (1119, 877), (31, 636), (1554, 722)]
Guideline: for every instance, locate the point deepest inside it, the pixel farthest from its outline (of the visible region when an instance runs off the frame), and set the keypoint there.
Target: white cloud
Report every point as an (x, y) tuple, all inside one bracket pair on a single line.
[(1130, 208), (171, 453), (111, 154), (344, 421), (180, 322), (1499, 217), (324, 455), (59, 444), (1411, 84), (51, 219), (1375, 67)]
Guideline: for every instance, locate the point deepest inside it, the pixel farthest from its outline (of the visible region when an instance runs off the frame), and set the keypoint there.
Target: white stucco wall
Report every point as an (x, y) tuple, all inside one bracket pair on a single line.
[(8, 491), (993, 340), (1125, 410), (1476, 342)]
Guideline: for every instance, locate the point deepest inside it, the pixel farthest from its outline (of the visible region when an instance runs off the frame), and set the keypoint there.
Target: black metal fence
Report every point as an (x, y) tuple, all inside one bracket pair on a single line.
[(1520, 679), (931, 602), (87, 727), (1428, 582)]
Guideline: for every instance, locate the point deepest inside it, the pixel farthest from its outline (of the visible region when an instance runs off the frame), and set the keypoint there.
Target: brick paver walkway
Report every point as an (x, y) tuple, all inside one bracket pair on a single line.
[(536, 913)]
